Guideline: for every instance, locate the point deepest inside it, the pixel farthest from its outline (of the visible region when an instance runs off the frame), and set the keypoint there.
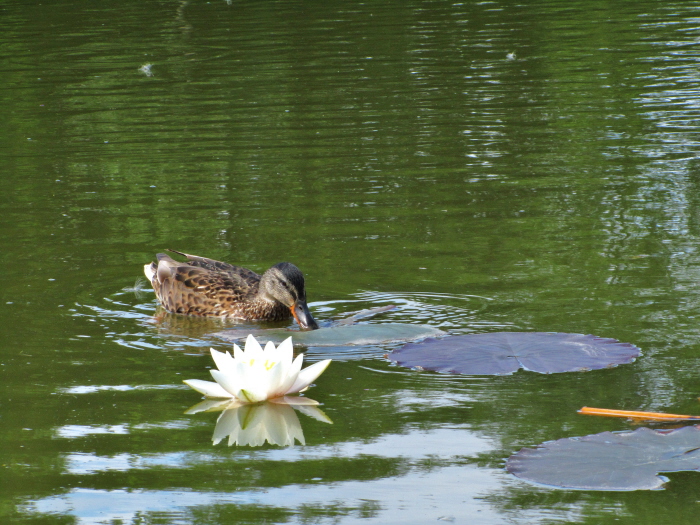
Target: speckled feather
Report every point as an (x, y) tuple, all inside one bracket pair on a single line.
[(208, 288)]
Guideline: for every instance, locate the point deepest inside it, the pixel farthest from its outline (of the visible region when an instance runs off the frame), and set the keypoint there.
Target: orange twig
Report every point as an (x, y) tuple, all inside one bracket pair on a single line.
[(642, 416)]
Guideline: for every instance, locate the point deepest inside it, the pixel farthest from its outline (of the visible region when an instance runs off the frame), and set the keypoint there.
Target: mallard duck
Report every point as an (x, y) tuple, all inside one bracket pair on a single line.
[(208, 288)]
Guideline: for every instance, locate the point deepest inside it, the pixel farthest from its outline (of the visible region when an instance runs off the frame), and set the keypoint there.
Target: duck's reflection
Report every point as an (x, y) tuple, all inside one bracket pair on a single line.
[(274, 421)]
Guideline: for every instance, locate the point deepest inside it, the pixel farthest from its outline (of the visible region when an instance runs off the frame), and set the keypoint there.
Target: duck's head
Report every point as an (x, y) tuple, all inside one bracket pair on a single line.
[(284, 283)]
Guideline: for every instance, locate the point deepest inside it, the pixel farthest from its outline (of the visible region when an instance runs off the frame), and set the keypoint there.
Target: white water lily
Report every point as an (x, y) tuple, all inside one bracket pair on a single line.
[(253, 375)]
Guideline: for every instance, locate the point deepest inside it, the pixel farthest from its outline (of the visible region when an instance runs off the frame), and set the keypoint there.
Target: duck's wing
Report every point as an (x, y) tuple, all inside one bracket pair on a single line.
[(211, 264), (195, 290)]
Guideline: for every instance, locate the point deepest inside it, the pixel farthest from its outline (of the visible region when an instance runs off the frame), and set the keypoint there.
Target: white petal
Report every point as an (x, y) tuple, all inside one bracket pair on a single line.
[(254, 382), (308, 375), (275, 378), (243, 375), (290, 376), (294, 401), (223, 361), (227, 382), (207, 388), (237, 352), (278, 376), (252, 348), (284, 352), (286, 346), (250, 396)]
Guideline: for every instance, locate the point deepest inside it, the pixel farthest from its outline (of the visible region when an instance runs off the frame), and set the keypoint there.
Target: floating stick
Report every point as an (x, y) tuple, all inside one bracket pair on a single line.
[(640, 416)]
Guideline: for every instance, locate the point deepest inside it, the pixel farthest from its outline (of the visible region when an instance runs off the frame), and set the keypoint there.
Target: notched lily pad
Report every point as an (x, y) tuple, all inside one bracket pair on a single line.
[(502, 353), (620, 461), (358, 334)]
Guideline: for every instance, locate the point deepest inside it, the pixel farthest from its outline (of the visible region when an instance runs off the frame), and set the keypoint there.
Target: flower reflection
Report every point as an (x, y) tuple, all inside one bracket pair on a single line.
[(253, 424)]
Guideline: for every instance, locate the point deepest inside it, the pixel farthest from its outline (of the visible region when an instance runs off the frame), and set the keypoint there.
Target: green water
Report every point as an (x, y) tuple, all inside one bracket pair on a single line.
[(484, 166)]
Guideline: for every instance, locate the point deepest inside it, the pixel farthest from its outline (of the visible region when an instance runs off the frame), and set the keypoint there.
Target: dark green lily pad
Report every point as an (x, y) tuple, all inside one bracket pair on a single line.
[(610, 461), (502, 353), (357, 334)]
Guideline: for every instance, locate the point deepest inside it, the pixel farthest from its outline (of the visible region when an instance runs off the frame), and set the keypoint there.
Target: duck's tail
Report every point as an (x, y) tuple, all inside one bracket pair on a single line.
[(150, 271)]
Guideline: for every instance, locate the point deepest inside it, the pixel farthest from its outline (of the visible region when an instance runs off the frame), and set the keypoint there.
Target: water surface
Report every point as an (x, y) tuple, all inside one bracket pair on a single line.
[(485, 166)]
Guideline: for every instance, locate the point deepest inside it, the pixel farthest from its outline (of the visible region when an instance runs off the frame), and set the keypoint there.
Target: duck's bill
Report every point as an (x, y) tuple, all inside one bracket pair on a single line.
[(301, 313)]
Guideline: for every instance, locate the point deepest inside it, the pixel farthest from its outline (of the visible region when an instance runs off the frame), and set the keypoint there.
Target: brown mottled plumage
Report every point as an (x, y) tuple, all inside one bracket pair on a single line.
[(207, 288)]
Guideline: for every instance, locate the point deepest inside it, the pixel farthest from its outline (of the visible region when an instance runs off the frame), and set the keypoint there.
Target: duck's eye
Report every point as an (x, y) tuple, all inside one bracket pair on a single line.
[(286, 286)]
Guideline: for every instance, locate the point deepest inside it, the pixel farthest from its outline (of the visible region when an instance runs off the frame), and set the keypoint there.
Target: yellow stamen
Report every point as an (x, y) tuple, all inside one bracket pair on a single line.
[(268, 364)]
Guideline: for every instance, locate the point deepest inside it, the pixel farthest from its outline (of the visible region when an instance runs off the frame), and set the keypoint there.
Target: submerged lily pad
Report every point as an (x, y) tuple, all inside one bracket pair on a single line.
[(502, 353), (358, 334), (610, 461)]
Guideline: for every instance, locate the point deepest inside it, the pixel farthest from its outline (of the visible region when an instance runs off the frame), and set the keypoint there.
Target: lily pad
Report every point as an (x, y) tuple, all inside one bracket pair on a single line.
[(357, 334), (620, 461), (502, 353)]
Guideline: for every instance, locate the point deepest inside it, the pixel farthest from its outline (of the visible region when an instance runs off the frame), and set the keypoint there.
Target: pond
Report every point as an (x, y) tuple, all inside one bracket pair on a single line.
[(488, 166)]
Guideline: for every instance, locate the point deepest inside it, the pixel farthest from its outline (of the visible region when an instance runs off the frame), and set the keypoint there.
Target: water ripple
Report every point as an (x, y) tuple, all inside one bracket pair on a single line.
[(132, 323)]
